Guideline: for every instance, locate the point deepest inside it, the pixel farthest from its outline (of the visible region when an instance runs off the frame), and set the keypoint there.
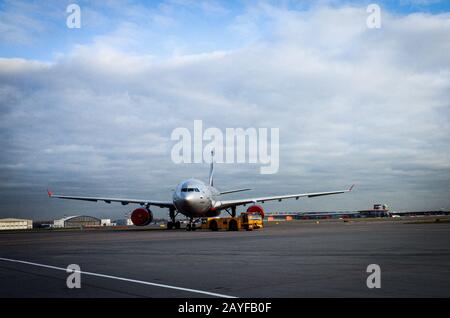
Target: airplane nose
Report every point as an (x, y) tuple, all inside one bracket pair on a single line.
[(191, 203), (187, 202), (189, 198)]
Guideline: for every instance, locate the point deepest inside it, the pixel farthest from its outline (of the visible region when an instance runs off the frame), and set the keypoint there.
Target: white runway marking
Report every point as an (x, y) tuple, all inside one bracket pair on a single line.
[(121, 278)]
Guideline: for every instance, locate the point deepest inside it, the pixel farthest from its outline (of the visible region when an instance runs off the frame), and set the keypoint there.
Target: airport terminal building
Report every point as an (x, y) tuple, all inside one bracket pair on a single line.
[(77, 221)]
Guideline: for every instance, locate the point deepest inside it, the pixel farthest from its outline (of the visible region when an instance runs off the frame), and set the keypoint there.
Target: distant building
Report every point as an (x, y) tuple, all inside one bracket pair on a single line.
[(123, 222), (77, 221), (379, 210), (106, 222), (15, 224)]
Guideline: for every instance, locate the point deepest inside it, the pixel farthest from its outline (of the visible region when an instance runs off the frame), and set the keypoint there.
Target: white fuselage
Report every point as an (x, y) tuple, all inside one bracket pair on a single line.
[(193, 198)]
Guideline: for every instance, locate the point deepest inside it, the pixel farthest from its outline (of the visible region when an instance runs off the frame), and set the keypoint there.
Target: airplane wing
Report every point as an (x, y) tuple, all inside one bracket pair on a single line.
[(224, 204), (161, 204), (233, 191)]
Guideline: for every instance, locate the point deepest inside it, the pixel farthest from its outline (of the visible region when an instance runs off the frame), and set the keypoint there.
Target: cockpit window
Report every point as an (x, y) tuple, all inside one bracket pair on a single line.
[(190, 190)]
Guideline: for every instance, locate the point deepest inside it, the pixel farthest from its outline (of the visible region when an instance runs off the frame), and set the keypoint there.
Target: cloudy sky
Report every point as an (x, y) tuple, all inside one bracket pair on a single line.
[(90, 111)]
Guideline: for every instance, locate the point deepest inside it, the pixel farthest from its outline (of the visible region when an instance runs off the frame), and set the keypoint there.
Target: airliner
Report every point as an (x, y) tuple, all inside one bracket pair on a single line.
[(195, 199)]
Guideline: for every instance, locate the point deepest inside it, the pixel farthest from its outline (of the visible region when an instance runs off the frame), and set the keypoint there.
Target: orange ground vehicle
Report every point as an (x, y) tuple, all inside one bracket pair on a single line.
[(246, 220)]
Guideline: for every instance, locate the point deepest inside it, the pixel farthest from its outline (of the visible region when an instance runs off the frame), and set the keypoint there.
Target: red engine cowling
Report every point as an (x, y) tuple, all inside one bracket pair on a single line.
[(141, 217), (256, 208)]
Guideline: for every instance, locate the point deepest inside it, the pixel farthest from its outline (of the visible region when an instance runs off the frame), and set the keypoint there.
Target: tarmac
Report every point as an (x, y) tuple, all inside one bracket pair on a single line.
[(285, 259)]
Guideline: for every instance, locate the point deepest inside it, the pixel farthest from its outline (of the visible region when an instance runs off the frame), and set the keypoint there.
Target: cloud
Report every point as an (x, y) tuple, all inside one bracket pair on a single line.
[(352, 105), (419, 2)]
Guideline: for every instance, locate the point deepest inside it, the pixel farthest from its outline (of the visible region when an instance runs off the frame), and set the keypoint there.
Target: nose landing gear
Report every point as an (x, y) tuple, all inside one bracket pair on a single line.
[(191, 225), (173, 225)]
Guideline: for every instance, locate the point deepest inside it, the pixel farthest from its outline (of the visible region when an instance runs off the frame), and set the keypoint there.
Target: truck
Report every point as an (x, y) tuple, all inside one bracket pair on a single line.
[(246, 220)]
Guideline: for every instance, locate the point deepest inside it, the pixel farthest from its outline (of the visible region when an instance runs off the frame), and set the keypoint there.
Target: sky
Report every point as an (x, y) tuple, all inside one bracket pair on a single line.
[(90, 111)]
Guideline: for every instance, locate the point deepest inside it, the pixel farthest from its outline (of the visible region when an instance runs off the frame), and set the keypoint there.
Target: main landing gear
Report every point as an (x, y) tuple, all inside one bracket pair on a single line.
[(232, 213), (173, 224)]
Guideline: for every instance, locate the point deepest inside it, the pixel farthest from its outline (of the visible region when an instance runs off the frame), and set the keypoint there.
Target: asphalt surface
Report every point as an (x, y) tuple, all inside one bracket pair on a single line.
[(289, 259)]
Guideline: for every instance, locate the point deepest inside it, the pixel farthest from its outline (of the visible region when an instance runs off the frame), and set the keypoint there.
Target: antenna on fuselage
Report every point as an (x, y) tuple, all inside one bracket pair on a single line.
[(211, 170)]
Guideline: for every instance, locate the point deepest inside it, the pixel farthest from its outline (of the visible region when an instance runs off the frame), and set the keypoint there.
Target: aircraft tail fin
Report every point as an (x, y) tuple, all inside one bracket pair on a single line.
[(211, 170)]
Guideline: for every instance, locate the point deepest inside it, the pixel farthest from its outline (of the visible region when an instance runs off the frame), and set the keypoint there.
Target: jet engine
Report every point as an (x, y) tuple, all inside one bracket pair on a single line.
[(141, 217), (256, 208)]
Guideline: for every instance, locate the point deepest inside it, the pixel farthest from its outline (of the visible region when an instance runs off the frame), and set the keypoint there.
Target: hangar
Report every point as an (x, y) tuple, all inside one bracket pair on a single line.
[(15, 224), (77, 221)]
